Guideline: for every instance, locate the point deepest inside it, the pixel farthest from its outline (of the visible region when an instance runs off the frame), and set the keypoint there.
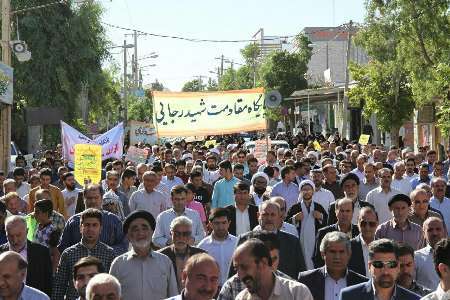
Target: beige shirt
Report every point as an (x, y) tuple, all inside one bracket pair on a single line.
[(284, 289)]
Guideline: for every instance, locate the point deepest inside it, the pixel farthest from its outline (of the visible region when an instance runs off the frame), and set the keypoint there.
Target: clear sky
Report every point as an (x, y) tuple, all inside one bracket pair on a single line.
[(179, 61)]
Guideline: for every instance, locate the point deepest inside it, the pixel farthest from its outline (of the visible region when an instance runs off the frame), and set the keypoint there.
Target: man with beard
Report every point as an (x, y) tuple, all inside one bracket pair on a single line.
[(370, 181), (439, 201), (286, 188), (202, 191), (252, 168), (331, 181), (90, 228), (83, 270), (259, 182), (407, 276), (321, 195), (220, 244), (200, 278), (70, 193), (384, 269), (180, 250), (291, 255), (308, 216), (253, 264), (210, 173), (142, 272), (434, 231), (442, 264), (243, 216), (112, 181)]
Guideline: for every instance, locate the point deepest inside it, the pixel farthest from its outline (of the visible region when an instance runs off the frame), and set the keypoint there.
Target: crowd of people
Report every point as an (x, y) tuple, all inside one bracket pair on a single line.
[(322, 220)]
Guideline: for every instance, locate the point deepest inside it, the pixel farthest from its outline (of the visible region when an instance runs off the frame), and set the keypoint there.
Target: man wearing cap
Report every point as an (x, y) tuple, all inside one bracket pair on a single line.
[(350, 186), (399, 228), (308, 216), (259, 181), (142, 272)]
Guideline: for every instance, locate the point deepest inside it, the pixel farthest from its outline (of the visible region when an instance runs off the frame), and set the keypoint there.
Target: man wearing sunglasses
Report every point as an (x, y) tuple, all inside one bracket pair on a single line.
[(384, 269), (367, 224)]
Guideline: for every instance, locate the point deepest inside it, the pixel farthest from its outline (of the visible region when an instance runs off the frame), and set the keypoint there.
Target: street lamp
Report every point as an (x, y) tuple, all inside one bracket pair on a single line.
[(125, 92)]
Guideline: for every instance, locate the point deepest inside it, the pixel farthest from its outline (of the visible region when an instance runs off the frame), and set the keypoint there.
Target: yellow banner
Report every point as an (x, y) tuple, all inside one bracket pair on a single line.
[(88, 163), (364, 139), (208, 113)]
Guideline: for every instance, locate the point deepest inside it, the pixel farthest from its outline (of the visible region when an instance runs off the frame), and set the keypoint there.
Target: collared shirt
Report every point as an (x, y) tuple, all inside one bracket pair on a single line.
[(439, 294), (403, 185), (444, 208), (333, 287), (23, 189), (111, 234), (324, 197), (63, 279), (233, 286), (153, 202), (223, 194), (151, 277), (419, 290), (379, 199), (29, 293), (335, 188), (416, 181), (393, 297), (282, 289), (222, 251), (411, 234), (365, 250), (198, 207), (23, 252), (210, 176), (365, 187), (70, 200), (419, 221), (242, 221), (425, 272), (170, 183), (286, 227), (128, 192), (358, 173), (161, 235), (289, 192)]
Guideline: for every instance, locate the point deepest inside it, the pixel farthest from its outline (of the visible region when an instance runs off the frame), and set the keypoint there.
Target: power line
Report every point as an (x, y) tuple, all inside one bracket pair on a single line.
[(191, 39)]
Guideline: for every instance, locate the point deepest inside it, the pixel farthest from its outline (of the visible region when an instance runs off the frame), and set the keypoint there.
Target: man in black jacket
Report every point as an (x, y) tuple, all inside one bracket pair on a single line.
[(350, 186), (291, 256), (335, 250), (344, 213), (39, 271), (242, 210), (367, 224)]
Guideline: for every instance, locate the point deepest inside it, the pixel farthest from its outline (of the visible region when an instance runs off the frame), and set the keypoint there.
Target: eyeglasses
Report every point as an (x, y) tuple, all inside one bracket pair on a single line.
[(182, 233), (378, 264), (370, 223)]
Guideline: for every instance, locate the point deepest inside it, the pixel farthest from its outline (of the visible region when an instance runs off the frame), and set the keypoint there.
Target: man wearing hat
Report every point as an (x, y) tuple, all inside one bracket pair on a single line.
[(142, 272), (350, 186), (308, 216), (399, 228), (258, 192)]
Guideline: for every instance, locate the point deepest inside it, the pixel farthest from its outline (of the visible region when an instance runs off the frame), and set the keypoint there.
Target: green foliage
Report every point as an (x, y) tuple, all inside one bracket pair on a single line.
[(194, 85), (156, 86), (140, 108), (4, 81), (239, 79), (273, 114), (212, 85), (384, 93), (415, 36), (284, 71)]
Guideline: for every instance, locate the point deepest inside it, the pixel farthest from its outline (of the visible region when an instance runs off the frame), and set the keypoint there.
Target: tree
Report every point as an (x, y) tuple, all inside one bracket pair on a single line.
[(194, 85), (212, 85), (157, 86), (413, 35), (68, 45)]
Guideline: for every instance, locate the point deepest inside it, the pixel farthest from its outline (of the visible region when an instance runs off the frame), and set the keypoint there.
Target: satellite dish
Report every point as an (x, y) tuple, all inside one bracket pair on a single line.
[(273, 99)]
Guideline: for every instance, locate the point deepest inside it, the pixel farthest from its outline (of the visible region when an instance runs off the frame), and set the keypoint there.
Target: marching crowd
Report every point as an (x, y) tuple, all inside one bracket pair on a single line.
[(326, 220)]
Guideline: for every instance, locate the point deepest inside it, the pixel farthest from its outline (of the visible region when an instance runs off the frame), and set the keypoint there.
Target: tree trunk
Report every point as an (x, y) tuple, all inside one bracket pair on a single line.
[(394, 135)]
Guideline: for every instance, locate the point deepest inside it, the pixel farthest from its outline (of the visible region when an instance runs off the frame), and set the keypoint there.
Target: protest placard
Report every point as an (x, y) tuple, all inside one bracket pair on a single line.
[(260, 152), (364, 139), (88, 163), (136, 155)]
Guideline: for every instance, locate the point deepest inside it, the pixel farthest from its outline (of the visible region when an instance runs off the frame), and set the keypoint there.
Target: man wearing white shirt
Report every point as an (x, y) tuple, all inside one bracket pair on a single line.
[(321, 195), (442, 266), (439, 201), (148, 198), (70, 193), (161, 236), (170, 180), (399, 182), (220, 244), (211, 173), (434, 231), (380, 196), (359, 170), (410, 164), (22, 187)]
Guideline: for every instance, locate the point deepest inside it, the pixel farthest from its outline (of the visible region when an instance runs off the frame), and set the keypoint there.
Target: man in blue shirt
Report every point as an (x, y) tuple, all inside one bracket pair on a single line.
[(223, 193), (286, 188), (111, 233), (423, 176)]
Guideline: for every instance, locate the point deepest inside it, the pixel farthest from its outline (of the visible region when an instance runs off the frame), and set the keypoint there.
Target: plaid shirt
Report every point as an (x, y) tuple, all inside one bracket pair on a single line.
[(63, 281), (233, 286)]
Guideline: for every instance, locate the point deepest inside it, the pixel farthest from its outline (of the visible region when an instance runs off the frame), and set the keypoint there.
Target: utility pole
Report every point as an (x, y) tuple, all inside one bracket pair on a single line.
[(135, 63), (200, 81), (5, 113), (345, 133), (125, 88)]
